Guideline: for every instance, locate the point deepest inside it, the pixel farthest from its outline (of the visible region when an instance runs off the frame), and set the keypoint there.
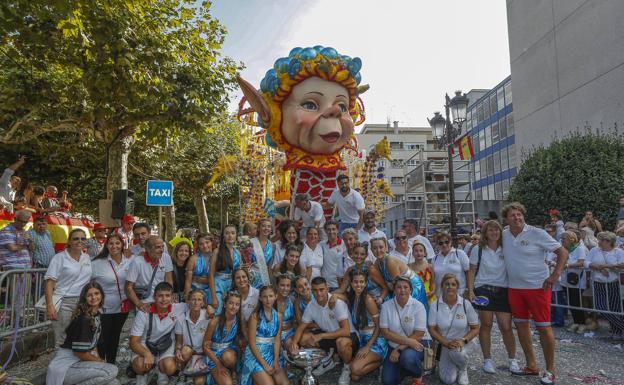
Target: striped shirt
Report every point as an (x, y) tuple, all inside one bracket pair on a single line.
[(14, 259)]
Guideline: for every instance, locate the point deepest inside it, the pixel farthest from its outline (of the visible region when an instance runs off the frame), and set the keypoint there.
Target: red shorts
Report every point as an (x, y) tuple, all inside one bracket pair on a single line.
[(527, 304)]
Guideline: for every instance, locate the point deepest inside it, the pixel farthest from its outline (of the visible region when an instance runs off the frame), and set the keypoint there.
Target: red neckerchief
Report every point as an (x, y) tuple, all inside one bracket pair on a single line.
[(103, 241), (154, 310), (338, 242), (149, 260)]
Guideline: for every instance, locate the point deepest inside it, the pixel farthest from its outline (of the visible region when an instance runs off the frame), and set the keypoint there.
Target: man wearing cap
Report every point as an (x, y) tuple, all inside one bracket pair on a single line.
[(96, 242), (309, 214), (370, 231), (127, 221), (41, 245)]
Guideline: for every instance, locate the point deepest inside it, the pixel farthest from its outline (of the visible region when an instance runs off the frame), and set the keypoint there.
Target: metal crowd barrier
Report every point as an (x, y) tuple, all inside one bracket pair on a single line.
[(20, 289), (611, 302)]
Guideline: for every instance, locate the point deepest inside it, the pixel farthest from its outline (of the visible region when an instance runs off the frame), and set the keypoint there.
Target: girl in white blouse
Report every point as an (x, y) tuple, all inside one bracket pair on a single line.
[(312, 254)]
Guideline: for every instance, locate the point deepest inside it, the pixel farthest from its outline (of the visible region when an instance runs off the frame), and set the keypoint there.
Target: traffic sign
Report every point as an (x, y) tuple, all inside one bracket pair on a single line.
[(159, 193)]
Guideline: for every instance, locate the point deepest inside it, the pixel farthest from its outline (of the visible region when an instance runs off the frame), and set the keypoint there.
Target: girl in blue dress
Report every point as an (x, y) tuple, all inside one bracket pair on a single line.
[(261, 361), (365, 318), (220, 342), (198, 268), (286, 307), (227, 260), (391, 268), (376, 285)]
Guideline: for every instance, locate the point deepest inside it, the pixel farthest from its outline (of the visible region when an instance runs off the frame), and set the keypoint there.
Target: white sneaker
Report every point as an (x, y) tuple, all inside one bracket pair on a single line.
[(345, 376), (141, 380), (488, 366), (462, 378), (163, 379), (325, 366), (514, 367)]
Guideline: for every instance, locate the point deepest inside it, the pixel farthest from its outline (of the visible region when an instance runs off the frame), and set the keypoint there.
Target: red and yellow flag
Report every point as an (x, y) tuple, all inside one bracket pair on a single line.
[(464, 145)]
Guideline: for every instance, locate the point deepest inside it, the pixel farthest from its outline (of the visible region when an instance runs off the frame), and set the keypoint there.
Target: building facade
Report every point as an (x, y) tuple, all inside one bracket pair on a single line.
[(490, 123), (567, 68)]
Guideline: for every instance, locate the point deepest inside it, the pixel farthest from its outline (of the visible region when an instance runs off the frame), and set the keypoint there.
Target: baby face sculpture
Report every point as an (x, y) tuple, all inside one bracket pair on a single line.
[(309, 104), (315, 117)]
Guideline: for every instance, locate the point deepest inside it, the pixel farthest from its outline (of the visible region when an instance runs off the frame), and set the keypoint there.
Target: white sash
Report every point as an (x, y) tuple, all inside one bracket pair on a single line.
[(264, 271)]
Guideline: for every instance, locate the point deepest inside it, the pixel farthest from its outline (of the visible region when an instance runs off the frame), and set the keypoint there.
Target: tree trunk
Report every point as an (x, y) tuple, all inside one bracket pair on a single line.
[(170, 222), (117, 177), (202, 215)]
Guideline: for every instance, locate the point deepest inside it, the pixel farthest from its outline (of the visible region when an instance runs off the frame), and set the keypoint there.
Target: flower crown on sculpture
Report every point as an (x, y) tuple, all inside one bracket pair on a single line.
[(268, 105)]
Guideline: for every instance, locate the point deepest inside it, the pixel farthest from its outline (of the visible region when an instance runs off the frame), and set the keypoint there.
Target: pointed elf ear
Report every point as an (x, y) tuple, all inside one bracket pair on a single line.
[(363, 88), (255, 99)]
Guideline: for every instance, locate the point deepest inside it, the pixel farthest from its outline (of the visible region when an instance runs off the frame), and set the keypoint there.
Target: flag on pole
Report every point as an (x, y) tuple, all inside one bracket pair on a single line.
[(464, 145)]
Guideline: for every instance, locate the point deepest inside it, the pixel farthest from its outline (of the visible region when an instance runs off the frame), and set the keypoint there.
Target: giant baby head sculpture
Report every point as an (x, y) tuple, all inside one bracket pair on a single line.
[(309, 104)]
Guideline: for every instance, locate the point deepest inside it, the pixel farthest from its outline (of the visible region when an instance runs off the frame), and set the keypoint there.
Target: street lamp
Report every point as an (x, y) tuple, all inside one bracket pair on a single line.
[(445, 133)]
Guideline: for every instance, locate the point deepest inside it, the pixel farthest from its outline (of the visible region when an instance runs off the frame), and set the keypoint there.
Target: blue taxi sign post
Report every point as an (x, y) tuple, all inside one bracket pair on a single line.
[(159, 193)]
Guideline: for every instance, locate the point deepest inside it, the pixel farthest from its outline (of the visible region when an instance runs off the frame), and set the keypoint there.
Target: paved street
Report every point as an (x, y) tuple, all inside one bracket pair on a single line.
[(581, 360)]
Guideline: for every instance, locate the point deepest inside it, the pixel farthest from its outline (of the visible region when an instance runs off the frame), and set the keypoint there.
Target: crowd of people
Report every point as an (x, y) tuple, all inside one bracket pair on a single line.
[(223, 309)]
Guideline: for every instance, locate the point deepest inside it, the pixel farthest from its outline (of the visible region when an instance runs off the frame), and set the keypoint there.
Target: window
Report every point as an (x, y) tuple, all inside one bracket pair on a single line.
[(498, 189), (397, 198), (493, 105), (500, 96), (510, 125), (411, 162), (484, 193), (381, 163), (491, 194), (479, 113), (495, 137), (486, 109), (504, 159), (396, 145), (512, 156), (396, 163), (481, 140), (505, 185), (384, 199), (490, 165), (488, 136), (478, 194), (497, 162), (396, 180), (477, 170), (483, 167), (475, 143), (508, 98), (414, 146), (469, 121), (502, 128)]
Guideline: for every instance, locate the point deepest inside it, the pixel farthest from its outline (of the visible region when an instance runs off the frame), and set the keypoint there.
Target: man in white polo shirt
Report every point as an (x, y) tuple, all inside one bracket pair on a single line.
[(152, 336), (336, 330), (333, 251), (370, 231), (349, 202), (146, 271), (309, 214), (530, 283)]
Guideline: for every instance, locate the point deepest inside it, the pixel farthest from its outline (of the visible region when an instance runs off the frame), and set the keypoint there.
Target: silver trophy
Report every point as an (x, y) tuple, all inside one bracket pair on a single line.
[(308, 359)]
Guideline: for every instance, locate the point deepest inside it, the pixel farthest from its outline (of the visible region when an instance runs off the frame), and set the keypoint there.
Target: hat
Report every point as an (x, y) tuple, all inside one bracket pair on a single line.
[(128, 218), (98, 226)]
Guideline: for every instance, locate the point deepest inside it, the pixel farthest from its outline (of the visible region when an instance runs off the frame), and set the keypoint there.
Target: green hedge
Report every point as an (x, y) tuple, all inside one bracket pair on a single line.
[(578, 173)]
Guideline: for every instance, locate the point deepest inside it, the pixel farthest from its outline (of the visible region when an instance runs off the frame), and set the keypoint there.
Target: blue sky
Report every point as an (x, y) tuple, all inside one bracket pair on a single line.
[(413, 51)]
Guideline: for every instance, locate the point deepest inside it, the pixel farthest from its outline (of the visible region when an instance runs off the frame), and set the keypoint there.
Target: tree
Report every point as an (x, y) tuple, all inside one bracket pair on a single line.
[(113, 71), (189, 161), (575, 174)]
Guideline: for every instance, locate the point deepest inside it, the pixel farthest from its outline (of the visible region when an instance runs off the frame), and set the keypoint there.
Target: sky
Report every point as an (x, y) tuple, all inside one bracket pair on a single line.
[(413, 51)]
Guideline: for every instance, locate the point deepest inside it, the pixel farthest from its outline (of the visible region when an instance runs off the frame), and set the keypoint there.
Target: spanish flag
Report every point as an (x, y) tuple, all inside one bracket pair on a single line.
[(464, 145)]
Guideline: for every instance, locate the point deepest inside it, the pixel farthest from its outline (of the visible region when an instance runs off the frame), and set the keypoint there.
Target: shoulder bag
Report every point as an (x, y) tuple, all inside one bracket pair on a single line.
[(439, 348), (160, 345), (428, 360), (144, 293), (196, 366), (126, 304)]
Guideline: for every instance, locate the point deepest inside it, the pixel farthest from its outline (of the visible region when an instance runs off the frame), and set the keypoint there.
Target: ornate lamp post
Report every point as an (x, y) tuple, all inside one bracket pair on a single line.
[(445, 133)]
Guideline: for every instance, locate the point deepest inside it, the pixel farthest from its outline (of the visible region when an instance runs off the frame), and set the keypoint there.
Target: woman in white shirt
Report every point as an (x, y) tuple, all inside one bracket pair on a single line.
[(110, 267), (487, 290), (573, 277), (67, 273), (603, 260), (453, 323), (449, 260), (189, 333), (288, 235), (403, 324), (312, 254)]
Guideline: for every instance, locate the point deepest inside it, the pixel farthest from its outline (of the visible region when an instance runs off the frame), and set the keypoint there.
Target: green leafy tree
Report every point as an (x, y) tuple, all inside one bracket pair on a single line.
[(575, 174), (113, 71)]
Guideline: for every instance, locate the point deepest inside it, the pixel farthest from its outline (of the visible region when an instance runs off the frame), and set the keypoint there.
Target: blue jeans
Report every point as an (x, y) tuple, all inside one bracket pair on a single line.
[(343, 226), (557, 314), (410, 364)]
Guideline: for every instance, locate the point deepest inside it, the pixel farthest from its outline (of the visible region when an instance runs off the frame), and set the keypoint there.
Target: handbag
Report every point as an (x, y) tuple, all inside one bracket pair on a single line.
[(161, 345), (144, 293), (428, 361), (126, 304), (439, 348)]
